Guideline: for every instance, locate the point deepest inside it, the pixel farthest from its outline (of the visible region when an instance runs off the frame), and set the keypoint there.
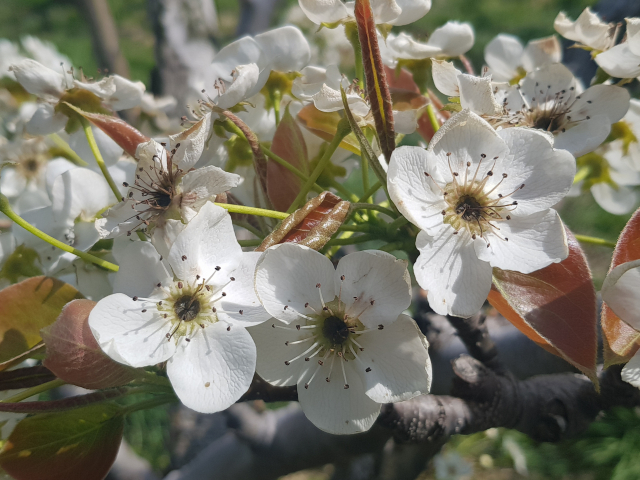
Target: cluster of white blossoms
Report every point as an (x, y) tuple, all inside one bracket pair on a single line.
[(189, 299)]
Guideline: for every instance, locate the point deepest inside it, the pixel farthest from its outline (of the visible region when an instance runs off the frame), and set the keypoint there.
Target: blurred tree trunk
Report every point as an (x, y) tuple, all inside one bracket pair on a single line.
[(185, 32), (255, 16), (105, 36)]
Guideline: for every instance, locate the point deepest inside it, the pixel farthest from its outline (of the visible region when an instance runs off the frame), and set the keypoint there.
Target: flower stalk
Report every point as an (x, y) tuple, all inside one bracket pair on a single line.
[(8, 211), (86, 126)]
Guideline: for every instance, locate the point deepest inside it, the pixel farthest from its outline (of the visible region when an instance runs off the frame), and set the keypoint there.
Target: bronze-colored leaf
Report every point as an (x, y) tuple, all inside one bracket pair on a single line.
[(555, 307), (312, 225), (621, 342), (325, 126), (74, 355), (288, 143), (377, 86)]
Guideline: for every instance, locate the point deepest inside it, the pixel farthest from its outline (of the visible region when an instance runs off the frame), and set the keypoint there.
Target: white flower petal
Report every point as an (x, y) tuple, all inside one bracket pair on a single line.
[(241, 295), (45, 121), (412, 11), (453, 39), (80, 192), (208, 241), (547, 174), (138, 338), (140, 270), (445, 77), (127, 94), (503, 55), (585, 136), (415, 194), (476, 94), (399, 360), (373, 276), (617, 200), (334, 409), (620, 292), (542, 51), (12, 183), (327, 11), (204, 184), (631, 371), (535, 241), (406, 121), (286, 279), (457, 282), (541, 85), (212, 371), (272, 353), (284, 49), (103, 88), (588, 29), (188, 145), (242, 87), (607, 100), (38, 79), (330, 100)]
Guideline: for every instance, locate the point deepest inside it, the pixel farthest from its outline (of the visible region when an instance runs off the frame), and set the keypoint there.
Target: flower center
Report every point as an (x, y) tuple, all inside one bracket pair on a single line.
[(332, 334), (473, 202), (335, 330), (187, 308), (153, 191)]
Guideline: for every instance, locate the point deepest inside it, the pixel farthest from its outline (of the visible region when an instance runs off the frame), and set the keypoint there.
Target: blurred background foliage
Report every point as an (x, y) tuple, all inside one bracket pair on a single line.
[(609, 450)]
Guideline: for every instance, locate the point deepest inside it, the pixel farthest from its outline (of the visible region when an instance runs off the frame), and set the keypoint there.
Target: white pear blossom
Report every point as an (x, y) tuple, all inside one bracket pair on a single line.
[(620, 293), (451, 40), (191, 313), (50, 86), (392, 12), (165, 188), (339, 334), (587, 30), (623, 60), (242, 68), (481, 199), (547, 99), (509, 60)]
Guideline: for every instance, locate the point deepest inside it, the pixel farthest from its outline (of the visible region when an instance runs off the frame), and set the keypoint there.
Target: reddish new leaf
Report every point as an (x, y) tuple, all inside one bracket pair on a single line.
[(555, 307), (127, 137), (77, 444), (621, 341), (288, 143), (25, 308), (74, 355), (377, 86), (312, 225)]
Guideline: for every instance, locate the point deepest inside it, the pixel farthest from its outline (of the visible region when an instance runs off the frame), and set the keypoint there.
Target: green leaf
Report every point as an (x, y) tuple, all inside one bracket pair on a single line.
[(77, 444), (25, 308)]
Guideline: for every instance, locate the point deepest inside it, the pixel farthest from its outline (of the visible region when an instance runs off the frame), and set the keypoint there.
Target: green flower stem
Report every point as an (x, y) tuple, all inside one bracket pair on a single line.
[(364, 165), (96, 153), (260, 212), (250, 243), (8, 211), (342, 131), (71, 155), (582, 173), (249, 227), (373, 206), (338, 187), (397, 223), (30, 392), (352, 240), (431, 113), (369, 193), (358, 228), (595, 241), (282, 162)]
